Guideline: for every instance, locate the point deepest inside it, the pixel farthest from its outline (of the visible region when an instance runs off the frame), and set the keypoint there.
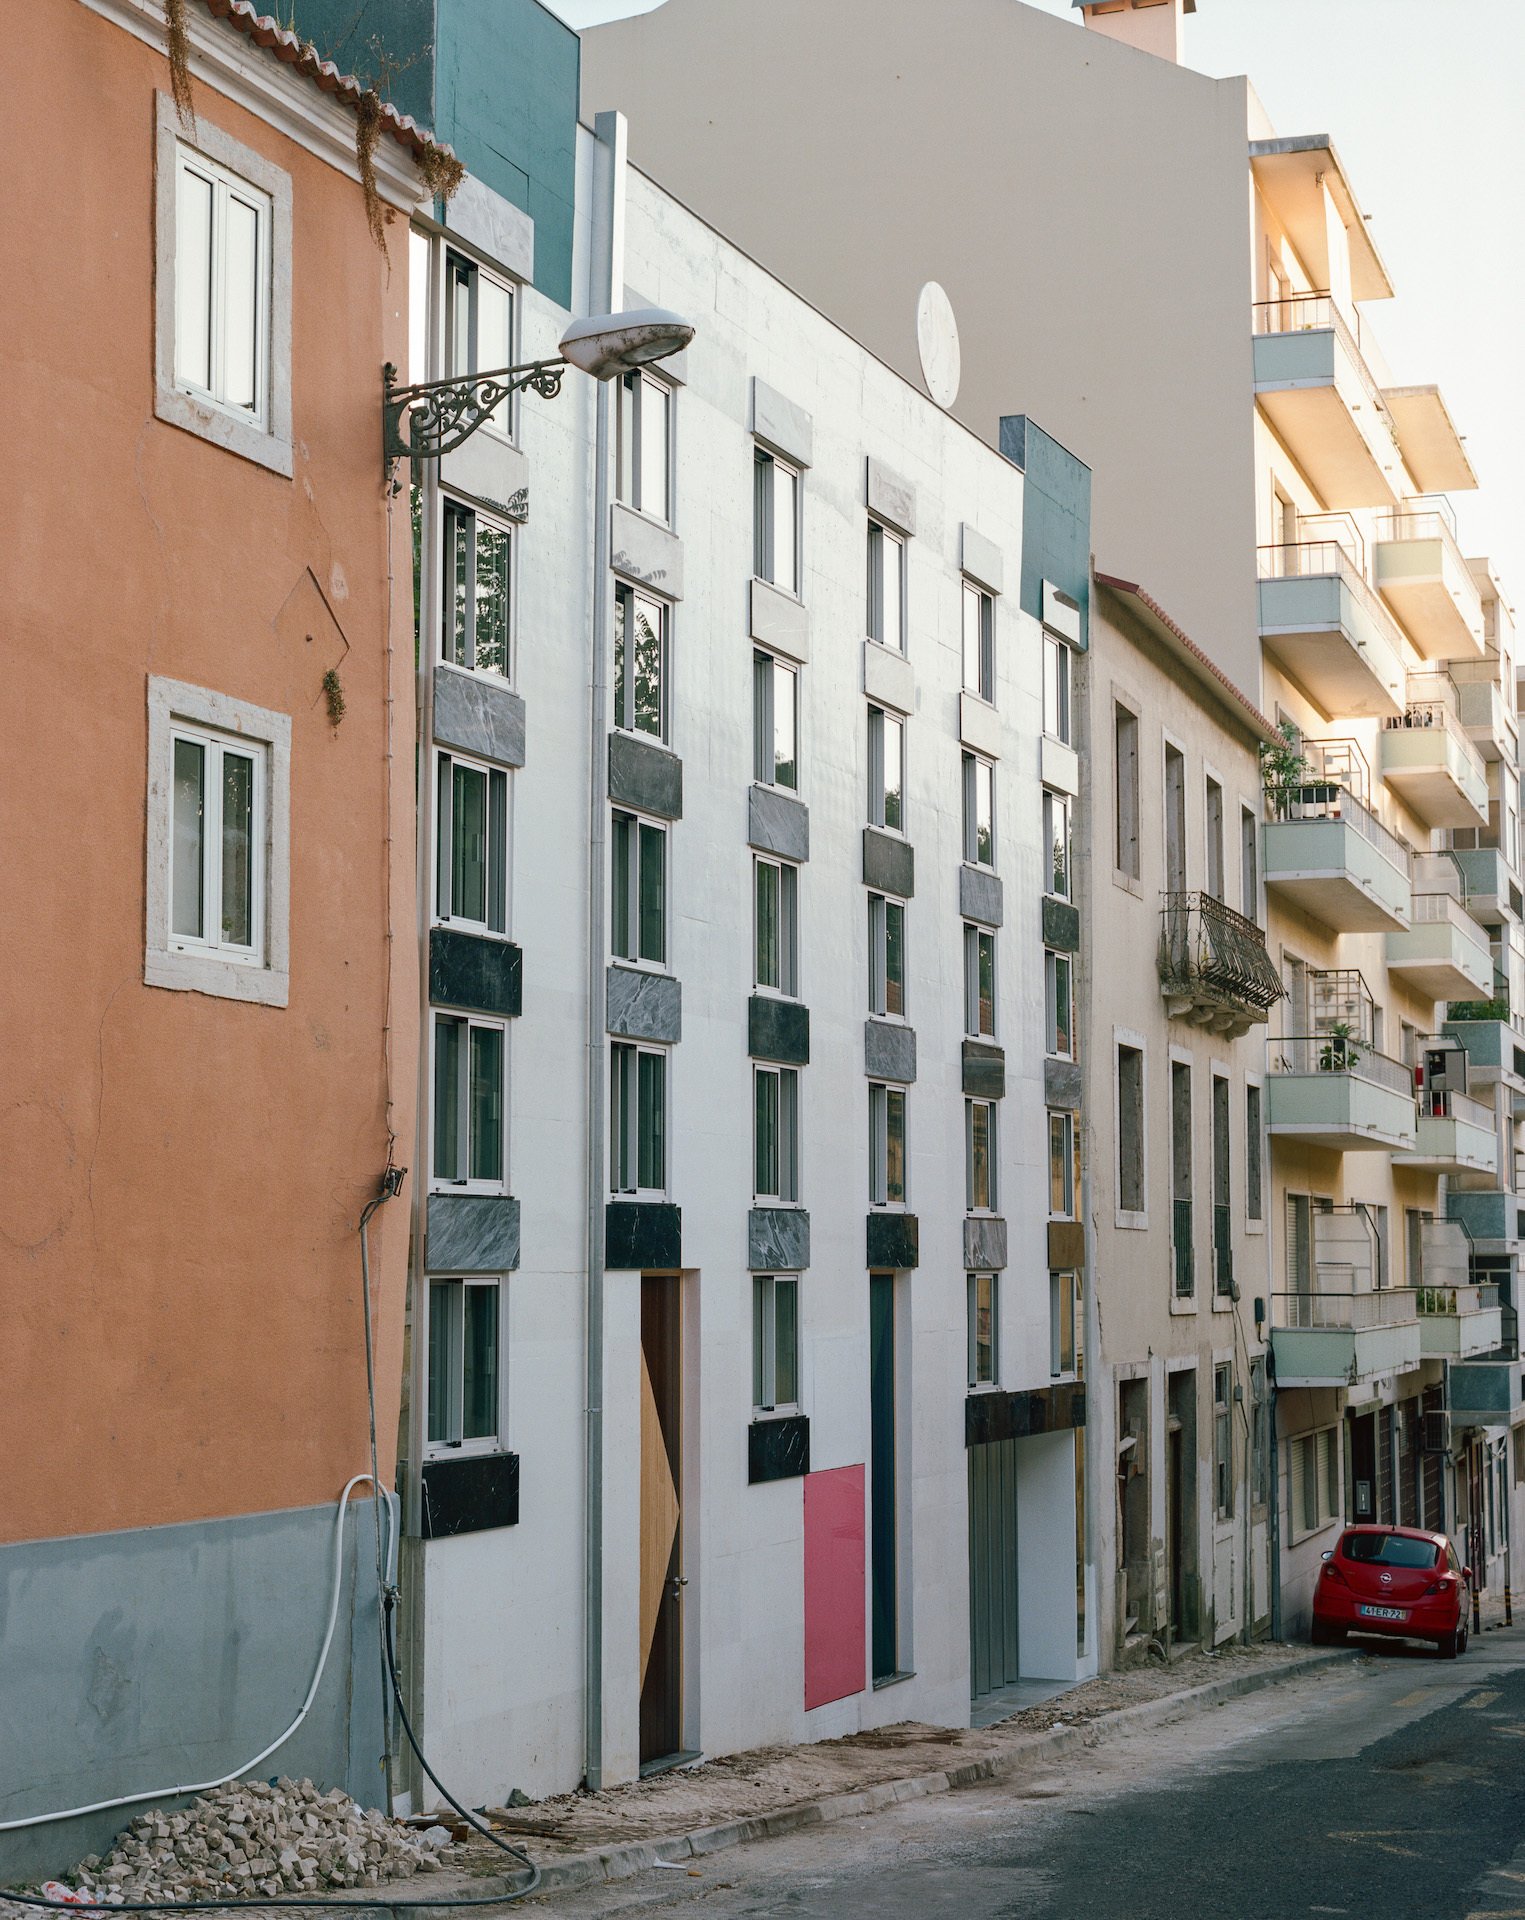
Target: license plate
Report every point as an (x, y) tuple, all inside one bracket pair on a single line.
[(1384, 1613)]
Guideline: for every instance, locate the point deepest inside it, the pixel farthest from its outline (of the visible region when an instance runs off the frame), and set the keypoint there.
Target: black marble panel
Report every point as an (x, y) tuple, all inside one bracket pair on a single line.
[(476, 713), (778, 823), (640, 1234), (1061, 1084), (894, 1241), (778, 1449), (984, 1071), (889, 1051), (475, 974), (1018, 1416), (645, 777), (980, 896), (889, 865), (1061, 925), (778, 1030), (471, 1494)]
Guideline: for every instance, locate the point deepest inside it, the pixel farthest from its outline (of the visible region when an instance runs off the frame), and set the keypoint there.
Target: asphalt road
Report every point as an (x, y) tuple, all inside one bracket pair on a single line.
[(1389, 1789)]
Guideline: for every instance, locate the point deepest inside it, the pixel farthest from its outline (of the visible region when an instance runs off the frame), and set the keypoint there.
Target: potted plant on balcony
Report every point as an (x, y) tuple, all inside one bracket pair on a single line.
[(1287, 776), (1340, 1050)]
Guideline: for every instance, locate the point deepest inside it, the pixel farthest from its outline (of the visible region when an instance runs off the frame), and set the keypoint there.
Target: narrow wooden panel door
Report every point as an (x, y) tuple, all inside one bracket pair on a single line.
[(661, 1520)]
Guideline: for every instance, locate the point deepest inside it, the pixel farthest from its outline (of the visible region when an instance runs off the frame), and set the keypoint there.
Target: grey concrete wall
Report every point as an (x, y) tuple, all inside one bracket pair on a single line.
[(133, 1661)]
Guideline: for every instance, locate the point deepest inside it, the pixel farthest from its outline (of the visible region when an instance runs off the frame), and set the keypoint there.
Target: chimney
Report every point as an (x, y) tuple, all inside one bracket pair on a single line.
[(1153, 26)]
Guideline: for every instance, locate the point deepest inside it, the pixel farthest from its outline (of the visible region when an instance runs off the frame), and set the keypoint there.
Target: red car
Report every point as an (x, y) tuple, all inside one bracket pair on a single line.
[(1393, 1580)]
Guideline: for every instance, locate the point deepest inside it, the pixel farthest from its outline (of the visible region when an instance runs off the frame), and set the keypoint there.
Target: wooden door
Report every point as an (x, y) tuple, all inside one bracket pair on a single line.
[(993, 1660), (661, 1520)]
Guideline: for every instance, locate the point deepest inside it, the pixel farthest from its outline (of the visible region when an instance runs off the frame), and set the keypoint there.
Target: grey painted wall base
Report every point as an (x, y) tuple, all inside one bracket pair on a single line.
[(137, 1659)]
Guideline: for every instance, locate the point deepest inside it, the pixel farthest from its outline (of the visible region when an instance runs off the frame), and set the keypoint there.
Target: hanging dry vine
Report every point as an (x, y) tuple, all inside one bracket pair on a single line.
[(367, 132), (442, 172), (178, 35)]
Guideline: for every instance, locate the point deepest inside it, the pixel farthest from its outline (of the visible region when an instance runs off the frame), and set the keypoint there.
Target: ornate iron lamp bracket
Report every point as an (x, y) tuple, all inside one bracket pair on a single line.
[(434, 417)]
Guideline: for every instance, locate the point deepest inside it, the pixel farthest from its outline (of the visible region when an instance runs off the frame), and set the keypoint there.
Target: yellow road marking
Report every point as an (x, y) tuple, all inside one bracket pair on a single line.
[(1485, 1699), (1417, 1698), (1378, 1837)]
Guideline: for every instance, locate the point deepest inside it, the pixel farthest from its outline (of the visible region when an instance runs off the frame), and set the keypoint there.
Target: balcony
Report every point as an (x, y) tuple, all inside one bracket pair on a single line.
[(1327, 852), (1313, 385), (1420, 573), (1321, 620), (1426, 757), (1484, 1393), (1457, 1322), (1495, 1052), (1486, 716), (1490, 885), (1332, 1090), (1337, 1339), (1214, 968), (1494, 1219), (1444, 955), (1456, 1135)]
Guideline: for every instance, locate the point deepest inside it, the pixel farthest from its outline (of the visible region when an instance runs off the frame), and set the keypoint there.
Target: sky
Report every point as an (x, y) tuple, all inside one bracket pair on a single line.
[(1423, 100)]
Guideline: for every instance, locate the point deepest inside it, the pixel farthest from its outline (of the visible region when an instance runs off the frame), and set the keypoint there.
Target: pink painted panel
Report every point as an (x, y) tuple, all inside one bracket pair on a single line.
[(835, 1656)]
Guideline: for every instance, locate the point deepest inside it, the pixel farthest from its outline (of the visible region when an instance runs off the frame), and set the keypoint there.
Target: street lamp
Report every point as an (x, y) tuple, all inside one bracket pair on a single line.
[(434, 417)]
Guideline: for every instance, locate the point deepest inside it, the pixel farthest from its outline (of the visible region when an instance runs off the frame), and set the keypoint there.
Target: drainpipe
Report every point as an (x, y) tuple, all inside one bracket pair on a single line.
[(1273, 1548), (605, 295)]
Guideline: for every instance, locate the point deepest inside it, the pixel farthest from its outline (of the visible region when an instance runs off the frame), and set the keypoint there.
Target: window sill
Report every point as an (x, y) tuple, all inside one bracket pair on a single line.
[(771, 1203), (1256, 1227), (984, 1386), (893, 1679), (973, 693), (1185, 1305), (221, 428), (219, 979), (476, 928), (762, 1415), (467, 1450), (1223, 1303), (658, 967), (641, 513), (889, 1206), (1130, 1222), (470, 1189), (787, 593), (895, 653), (489, 675), (1126, 883)]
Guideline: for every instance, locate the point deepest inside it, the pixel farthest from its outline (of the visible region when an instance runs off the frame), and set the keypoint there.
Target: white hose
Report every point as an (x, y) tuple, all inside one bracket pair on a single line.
[(166, 1793)]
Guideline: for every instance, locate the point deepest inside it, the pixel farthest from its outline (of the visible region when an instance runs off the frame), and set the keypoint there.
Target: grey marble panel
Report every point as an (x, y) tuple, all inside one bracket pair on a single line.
[(781, 423), (1061, 1084), (645, 777), (471, 1233), (490, 225), (890, 498), (889, 1051), (779, 621), (980, 896), (981, 558), (487, 468), (776, 823), (1061, 925), (778, 1030), (475, 974), (778, 1240), (646, 552), (984, 1246), (643, 1006), (642, 1234), (984, 1071), (893, 1240), (889, 864), (476, 714)]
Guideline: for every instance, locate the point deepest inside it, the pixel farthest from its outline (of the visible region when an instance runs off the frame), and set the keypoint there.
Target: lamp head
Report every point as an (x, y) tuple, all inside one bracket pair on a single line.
[(608, 344)]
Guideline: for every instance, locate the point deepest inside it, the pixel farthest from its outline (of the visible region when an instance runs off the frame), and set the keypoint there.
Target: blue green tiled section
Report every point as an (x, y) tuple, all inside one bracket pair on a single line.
[(1056, 517)]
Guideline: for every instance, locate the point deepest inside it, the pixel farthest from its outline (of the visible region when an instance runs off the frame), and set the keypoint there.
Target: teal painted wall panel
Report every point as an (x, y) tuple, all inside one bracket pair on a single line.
[(387, 44), (1056, 517)]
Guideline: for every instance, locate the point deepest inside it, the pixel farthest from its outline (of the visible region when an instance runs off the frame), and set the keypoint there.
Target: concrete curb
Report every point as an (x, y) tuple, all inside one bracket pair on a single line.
[(620, 1863)]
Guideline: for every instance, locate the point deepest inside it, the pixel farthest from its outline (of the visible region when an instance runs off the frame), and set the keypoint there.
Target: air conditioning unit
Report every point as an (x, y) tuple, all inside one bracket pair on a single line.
[(1436, 1433)]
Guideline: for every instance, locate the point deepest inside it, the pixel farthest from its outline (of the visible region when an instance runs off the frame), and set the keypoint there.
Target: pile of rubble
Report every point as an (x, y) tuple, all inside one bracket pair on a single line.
[(252, 1838)]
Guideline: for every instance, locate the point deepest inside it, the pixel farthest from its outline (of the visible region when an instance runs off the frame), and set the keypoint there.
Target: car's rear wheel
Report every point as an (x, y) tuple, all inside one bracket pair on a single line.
[(1450, 1645), (1325, 1635)]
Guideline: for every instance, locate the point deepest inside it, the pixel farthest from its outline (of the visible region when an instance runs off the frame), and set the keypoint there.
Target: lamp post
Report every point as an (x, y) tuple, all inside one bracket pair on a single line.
[(434, 417)]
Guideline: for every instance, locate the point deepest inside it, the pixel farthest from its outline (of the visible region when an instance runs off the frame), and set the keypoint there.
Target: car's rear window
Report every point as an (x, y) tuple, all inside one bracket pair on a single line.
[(1389, 1549)]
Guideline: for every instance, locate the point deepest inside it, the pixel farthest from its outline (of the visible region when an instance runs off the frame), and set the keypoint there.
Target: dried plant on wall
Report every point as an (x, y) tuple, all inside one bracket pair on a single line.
[(179, 39)]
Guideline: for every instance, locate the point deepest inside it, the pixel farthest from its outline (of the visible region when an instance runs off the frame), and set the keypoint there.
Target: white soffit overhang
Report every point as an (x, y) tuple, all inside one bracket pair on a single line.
[(1288, 172), (1432, 448)]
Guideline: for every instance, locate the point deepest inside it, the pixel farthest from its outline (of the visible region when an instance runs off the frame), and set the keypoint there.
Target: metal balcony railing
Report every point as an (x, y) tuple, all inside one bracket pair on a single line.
[(1431, 701), (1435, 1103), (1182, 1250), (1328, 800), (1311, 559), (1207, 947), (1414, 521), (1429, 909), (1318, 313), (1456, 1301), (1338, 1053), (1342, 1312)]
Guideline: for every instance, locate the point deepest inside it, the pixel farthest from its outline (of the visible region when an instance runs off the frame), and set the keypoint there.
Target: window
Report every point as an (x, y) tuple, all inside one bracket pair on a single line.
[(979, 982), (472, 835), (984, 1329), (1064, 1347), (1056, 844), (776, 893), (1254, 1155), (1214, 816), (1181, 1181), (217, 874), (775, 1342), (470, 1057), (1130, 1129), (640, 663), (886, 587), (1260, 1442), (1175, 820), (465, 1394), (979, 811), (638, 890), (1059, 1005), (1313, 1496), (886, 770), (637, 1119), (1126, 797), (775, 723), (1063, 1166), (886, 1145), (479, 328), (1223, 1442), (979, 641), (474, 618), (980, 1156), (644, 432), (1056, 688), (1223, 1244), (886, 956), (1249, 864), (775, 1135), (775, 522)]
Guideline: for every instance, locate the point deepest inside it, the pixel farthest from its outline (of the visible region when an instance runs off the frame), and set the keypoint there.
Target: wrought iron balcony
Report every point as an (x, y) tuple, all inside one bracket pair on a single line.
[(1214, 968)]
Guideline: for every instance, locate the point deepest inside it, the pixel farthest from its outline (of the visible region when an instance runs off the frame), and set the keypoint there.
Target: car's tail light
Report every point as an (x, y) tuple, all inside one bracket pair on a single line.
[(1332, 1572), (1442, 1585)]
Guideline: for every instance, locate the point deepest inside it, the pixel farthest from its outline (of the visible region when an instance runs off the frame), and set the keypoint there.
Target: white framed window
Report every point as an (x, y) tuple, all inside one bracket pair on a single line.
[(637, 1120), (222, 323), (638, 889), (640, 662), (775, 1133), (886, 1142), (775, 722), (470, 1104), (1056, 688), (775, 1342), (479, 328), (644, 433), (476, 578), (1313, 1482), (979, 982), (1223, 1442), (980, 1156), (219, 845), (1130, 1130), (776, 521), (1059, 1004), (471, 844), (1057, 878), (1213, 818), (466, 1413), (1254, 1154), (984, 1294), (1063, 1166), (1125, 796), (1063, 1326), (979, 641), (886, 587), (886, 770), (776, 900), (886, 956), (979, 811)]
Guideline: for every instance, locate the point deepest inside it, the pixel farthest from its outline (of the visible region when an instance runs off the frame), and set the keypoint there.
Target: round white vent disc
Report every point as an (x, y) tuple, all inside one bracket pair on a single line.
[(937, 343)]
